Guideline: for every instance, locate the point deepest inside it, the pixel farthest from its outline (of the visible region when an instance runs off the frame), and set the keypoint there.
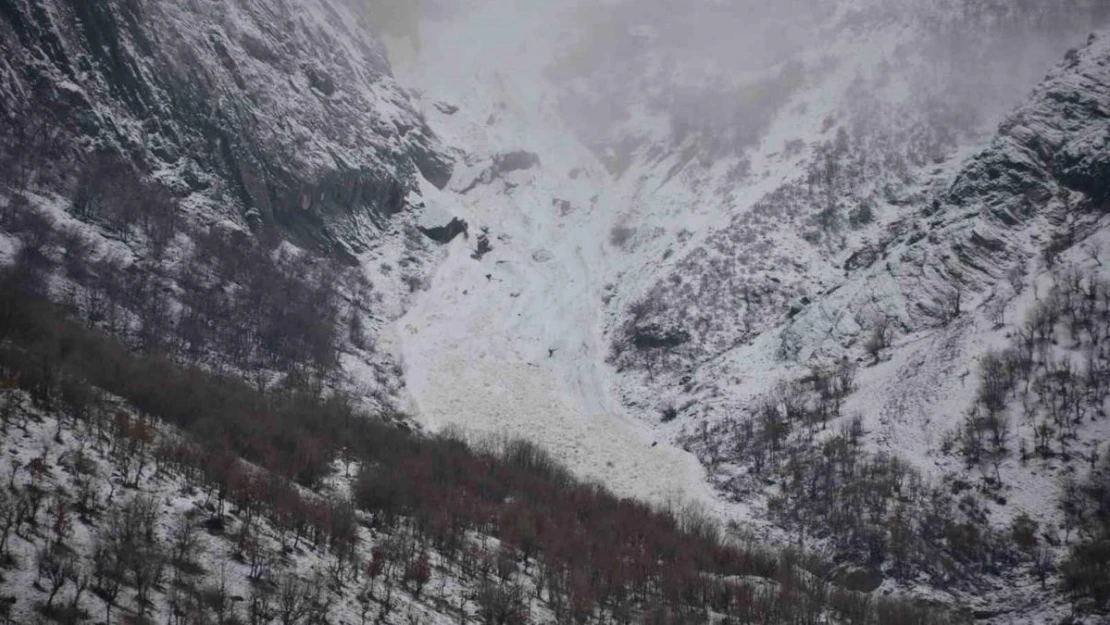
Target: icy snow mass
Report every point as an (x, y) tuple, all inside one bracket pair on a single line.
[(511, 344)]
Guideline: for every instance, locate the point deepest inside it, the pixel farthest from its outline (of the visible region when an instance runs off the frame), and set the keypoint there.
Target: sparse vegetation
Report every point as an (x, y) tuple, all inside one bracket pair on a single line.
[(880, 336), (207, 296), (580, 550), (1086, 570), (874, 509), (1056, 371), (641, 343)]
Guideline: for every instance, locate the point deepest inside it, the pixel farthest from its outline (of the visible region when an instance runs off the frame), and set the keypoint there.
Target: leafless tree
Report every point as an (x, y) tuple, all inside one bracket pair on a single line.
[(57, 566), (880, 337), (950, 303)]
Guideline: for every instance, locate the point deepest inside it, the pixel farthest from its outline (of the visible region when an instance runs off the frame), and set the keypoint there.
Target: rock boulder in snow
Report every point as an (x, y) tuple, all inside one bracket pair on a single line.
[(447, 233)]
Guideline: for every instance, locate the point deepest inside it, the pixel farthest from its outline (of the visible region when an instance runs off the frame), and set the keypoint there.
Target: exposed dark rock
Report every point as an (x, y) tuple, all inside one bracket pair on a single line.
[(654, 336), (504, 164), (1086, 167), (984, 615), (433, 165), (1005, 216), (514, 161), (670, 413), (863, 257), (320, 81), (484, 248), (993, 245), (1060, 138), (239, 119), (446, 234), (859, 579), (445, 108)]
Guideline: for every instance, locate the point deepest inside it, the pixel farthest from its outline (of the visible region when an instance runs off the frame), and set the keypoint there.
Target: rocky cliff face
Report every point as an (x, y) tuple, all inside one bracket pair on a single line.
[(813, 170), (264, 113), (1035, 192)]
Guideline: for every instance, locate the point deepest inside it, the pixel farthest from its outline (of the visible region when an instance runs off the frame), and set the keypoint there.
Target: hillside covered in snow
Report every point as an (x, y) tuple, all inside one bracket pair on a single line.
[(819, 288)]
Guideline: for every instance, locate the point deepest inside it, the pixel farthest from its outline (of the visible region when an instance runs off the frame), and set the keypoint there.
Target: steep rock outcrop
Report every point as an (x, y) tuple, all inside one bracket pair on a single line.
[(276, 112), (1037, 189), (447, 233)]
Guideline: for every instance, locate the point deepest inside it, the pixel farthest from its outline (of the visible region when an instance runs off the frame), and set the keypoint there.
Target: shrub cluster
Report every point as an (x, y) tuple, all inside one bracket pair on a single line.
[(207, 295), (1036, 396), (873, 509), (1086, 570), (1055, 376)]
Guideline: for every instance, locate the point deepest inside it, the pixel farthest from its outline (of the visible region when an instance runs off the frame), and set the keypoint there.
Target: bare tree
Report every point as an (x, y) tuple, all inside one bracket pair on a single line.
[(147, 568), (260, 604), (184, 540), (950, 303), (57, 566), (293, 597), (81, 578), (8, 515), (108, 575), (31, 139), (1016, 277), (880, 336)]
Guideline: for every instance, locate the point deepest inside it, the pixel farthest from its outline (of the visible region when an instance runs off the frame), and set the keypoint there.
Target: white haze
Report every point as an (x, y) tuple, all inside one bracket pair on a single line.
[(721, 69)]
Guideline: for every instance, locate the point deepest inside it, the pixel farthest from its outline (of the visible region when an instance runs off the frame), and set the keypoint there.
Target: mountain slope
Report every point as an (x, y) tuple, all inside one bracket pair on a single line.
[(807, 273), (734, 256), (928, 314), (263, 113), (241, 161)]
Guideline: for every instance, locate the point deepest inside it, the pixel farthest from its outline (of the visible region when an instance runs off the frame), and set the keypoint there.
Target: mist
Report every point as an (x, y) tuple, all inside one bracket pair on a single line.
[(716, 73)]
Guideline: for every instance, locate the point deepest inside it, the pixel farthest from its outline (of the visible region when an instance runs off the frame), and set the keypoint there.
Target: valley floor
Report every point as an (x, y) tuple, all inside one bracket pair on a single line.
[(483, 354)]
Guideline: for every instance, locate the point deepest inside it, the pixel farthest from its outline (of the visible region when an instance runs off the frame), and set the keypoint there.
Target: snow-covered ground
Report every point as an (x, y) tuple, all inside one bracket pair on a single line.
[(515, 343), (512, 344)]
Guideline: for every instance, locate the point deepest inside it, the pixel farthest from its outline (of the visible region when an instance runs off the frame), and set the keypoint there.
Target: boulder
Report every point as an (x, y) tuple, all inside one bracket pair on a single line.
[(446, 234)]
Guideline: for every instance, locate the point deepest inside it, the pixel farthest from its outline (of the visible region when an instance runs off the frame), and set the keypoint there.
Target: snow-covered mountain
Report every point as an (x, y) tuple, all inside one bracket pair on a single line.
[(833, 271), (697, 234)]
